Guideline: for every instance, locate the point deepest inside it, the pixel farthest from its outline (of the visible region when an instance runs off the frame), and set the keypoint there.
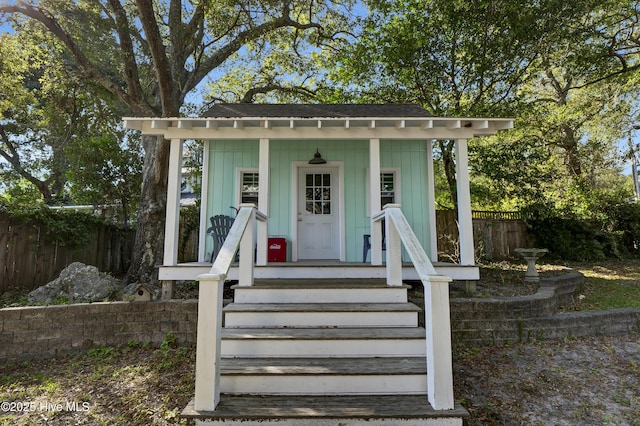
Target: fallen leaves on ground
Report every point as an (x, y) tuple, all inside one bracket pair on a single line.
[(582, 381)]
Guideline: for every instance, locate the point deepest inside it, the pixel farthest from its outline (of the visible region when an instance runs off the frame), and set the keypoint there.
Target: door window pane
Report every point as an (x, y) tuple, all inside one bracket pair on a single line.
[(318, 193)]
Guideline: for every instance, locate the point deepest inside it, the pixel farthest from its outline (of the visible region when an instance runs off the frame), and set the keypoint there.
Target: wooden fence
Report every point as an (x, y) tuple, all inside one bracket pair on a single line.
[(28, 259), (496, 235)]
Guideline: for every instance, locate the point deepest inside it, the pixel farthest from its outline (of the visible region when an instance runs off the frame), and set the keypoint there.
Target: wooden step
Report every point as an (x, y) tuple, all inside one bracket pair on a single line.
[(266, 315), (320, 291), (370, 410), (323, 342), (323, 376)]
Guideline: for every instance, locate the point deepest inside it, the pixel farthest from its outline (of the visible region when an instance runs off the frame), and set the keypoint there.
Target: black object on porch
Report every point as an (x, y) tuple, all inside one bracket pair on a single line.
[(219, 229)]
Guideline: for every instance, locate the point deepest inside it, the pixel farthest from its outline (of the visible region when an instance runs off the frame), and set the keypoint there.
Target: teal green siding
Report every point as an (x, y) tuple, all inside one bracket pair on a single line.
[(409, 156), (225, 157), (354, 155)]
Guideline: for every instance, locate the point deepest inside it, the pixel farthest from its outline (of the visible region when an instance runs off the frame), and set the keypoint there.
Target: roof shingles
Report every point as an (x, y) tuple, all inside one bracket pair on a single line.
[(316, 111)]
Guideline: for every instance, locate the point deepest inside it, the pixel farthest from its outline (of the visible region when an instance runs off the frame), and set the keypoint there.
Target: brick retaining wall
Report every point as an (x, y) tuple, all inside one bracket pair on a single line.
[(500, 320), (42, 331)]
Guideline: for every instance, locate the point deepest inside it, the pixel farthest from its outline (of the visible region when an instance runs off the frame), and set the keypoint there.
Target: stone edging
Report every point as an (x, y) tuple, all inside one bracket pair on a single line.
[(503, 320), (42, 331)]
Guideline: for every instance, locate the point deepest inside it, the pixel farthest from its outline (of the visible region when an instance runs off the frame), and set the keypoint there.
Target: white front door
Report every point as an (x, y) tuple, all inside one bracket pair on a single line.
[(318, 213)]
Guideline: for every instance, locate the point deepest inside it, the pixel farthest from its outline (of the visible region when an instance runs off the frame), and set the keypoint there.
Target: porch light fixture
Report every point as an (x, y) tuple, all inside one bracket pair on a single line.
[(317, 158)]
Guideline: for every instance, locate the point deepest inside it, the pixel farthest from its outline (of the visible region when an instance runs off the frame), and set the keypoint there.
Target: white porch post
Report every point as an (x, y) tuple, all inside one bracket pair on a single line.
[(438, 332), (465, 223), (394, 250), (207, 392), (431, 204), (374, 200), (172, 215), (204, 201), (247, 243), (263, 200)]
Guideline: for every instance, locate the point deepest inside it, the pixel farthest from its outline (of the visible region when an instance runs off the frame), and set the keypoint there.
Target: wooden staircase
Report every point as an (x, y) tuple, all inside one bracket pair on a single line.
[(323, 352)]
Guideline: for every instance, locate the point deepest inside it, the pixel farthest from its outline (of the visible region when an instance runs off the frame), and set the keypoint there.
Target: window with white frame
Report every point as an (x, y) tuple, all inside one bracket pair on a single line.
[(389, 187), (249, 186)]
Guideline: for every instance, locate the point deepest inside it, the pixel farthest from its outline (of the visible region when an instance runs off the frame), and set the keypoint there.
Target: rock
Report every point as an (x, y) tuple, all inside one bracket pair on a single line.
[(77, 283)]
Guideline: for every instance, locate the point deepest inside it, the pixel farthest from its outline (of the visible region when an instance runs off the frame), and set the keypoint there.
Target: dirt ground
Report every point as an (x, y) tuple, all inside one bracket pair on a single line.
[(583, 381), (590, 381)]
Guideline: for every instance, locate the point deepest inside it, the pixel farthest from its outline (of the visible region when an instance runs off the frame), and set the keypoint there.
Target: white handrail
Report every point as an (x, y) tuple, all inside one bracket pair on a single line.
[(241, 237), (222, 263), (436, 302)]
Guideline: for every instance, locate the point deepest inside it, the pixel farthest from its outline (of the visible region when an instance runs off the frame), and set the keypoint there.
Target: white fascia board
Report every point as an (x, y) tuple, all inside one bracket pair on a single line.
[(454, 124), (132, 123), (160, 124), (301, 133), (480, 124), (426, 124), (185, 124), (505, 124), (331, 128)]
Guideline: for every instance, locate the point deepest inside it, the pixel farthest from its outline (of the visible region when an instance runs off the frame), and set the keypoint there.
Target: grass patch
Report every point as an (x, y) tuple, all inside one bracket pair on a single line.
[(609, 285)]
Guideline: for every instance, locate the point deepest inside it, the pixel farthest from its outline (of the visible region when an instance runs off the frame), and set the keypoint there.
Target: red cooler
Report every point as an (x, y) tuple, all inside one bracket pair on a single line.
[(277, 250)]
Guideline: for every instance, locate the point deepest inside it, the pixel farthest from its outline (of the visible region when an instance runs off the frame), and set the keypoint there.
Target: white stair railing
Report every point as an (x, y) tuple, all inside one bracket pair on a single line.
[(211, 285), (436, 302)]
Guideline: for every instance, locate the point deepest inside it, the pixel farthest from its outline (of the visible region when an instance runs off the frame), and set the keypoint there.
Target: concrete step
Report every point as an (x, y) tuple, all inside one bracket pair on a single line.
[(320, 291), (369, 410), (265, 315), (324, 342), (323, 376)]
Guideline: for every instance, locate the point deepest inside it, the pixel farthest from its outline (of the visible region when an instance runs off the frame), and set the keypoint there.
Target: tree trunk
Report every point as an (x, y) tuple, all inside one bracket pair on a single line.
[(148, 250), (446, 151), (571, 156)]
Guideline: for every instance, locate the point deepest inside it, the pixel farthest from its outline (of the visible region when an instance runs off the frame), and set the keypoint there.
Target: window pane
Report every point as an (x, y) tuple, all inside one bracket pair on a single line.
[(250, 187), (326, 207), (387, 189)]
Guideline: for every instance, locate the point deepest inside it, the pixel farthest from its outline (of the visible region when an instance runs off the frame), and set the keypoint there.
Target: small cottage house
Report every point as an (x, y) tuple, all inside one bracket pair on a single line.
[(332, 206)]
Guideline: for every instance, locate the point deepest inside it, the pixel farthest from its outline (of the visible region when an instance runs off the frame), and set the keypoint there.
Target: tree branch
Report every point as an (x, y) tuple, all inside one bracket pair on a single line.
[(14, 159), (251, 34), (273, 87), (131, 74), (159, 56)]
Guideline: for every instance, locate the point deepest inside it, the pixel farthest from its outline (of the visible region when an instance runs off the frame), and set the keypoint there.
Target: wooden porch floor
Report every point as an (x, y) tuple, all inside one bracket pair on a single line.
[(365, 407), (311, 269)]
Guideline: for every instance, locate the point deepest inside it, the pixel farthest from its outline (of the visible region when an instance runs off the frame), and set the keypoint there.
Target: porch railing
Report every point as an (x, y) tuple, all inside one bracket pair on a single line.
[(436, 302), (211, 285)]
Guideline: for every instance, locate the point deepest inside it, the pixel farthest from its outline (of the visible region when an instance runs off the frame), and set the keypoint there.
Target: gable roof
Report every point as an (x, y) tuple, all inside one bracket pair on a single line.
[(316, 111)]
